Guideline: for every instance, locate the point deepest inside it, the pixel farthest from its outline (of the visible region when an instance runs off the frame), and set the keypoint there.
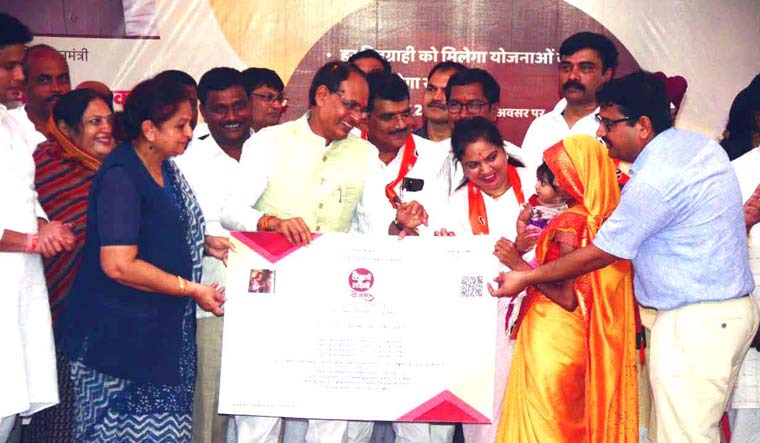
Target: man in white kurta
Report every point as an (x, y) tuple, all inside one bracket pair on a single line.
[(28, 380), (745, 404), (587, 60), (210, 165), (299, 177), (410, 169)]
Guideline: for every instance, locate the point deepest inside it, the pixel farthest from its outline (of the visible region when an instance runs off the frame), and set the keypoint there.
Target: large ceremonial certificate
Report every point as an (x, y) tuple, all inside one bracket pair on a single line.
[(360, 328)]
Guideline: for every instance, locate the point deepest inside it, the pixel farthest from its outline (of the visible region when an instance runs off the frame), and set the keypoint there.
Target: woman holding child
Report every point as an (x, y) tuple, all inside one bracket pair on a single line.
[(573, 372)]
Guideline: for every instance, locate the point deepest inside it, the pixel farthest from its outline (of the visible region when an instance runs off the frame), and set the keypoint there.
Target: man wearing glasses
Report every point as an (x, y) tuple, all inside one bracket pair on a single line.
[(473, 93), (299, 177), (680, 220), (587, 61), (266, 97)]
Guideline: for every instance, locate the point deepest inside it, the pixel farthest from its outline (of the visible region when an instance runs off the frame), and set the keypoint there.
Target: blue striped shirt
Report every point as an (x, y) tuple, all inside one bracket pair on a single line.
[(680, 221)]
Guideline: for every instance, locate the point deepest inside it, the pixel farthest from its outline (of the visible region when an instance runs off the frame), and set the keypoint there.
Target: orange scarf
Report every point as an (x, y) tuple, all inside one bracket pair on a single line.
[(71, 151), (582, 167), (477, 206), (407, 162)]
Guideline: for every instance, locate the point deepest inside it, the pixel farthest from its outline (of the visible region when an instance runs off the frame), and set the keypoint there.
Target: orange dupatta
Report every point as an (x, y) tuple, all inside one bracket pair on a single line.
[(583, 168), (70, 150), (477, 206)]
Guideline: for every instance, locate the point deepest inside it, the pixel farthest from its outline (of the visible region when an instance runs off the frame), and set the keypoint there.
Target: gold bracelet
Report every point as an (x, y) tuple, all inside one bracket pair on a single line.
[(182, 285)]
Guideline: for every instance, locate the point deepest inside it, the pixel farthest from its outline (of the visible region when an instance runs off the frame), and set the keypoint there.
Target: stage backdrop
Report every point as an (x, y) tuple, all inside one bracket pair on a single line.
[(120, 42)]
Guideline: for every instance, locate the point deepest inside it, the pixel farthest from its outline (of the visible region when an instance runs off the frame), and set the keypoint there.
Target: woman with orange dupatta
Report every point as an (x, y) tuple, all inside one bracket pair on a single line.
[(573, 374), (81, 126)]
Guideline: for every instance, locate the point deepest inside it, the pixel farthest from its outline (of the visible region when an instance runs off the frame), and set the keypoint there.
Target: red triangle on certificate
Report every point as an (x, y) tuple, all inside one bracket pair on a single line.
[(445, 407), (273, 246)]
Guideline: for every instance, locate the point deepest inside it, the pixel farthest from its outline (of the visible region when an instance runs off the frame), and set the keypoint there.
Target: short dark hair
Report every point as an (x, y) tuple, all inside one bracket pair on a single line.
[(257, 77), (71, 106), (177, 76), (741, 120), (591, 40), (384, 86), (491, 88), (448, 65), (638, 94), (331, 74), (156, 99), (371, 53), (31, 52), (219, 79), (13, 32), (543, 172)]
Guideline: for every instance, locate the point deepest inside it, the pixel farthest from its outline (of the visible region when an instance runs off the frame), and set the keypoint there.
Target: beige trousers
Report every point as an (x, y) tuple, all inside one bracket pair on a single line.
[(208, 425), (696, 353)]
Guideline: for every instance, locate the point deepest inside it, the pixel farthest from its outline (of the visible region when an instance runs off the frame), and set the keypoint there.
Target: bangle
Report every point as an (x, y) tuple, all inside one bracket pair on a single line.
[(264, 222), (182, 285), (30, 244)]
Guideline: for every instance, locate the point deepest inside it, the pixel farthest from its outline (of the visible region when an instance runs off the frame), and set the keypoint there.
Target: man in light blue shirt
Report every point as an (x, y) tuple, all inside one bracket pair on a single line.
[(680, 221)]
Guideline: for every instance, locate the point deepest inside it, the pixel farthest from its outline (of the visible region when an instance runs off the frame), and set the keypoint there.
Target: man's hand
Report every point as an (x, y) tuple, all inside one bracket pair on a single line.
[(510, 284), (54, 237), (218, 247), (294, 229), (411, 215), (752, 209)]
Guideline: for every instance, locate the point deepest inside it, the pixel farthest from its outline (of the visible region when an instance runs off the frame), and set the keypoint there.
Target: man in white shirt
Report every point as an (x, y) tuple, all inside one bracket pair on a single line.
[(302, 176), (436, 126), (47, 78), (405, 175), (28, 381), (210, 165), (587, 60), (266, 97)]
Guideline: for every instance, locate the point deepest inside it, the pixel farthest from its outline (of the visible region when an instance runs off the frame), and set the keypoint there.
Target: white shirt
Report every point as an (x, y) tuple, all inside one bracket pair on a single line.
[(549, 129), (375, 213), (28, 380), (747, 390), (211, 174), (31, 135)]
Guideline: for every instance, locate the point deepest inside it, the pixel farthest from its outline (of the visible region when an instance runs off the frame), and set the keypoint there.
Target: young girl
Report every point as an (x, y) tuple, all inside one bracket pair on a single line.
[(543, 206)]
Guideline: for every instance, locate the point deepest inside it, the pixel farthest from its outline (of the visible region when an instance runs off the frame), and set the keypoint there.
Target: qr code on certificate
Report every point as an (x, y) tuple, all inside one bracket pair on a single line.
[(471, 286)]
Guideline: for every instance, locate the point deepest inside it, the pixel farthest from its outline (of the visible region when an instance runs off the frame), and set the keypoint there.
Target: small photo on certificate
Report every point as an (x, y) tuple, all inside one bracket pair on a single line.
[(261, 282)]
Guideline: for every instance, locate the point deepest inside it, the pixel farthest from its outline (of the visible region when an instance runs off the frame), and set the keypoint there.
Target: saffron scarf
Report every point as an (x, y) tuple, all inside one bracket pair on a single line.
[(477, 206)]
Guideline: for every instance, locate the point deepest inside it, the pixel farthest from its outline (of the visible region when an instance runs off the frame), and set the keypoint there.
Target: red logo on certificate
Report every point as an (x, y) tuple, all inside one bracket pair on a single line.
[(361, 280)]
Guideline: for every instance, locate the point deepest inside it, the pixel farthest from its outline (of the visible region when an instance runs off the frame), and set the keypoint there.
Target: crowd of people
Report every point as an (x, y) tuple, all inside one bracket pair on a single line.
[(114, 243)]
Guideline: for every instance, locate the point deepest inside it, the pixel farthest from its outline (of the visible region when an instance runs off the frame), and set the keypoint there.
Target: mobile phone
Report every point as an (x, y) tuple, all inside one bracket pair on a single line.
[(412, 184)]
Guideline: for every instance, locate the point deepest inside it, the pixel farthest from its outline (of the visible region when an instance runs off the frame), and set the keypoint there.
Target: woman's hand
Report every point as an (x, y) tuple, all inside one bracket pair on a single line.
[(209, 297), (218, 247), (527, 239), (443, 232), (507, 253), (752, 209)]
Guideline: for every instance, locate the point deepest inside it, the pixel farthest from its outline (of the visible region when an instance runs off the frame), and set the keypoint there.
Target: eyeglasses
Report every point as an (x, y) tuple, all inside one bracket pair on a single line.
[(271, 98), (473, 107), (353, 106), (610, 123)]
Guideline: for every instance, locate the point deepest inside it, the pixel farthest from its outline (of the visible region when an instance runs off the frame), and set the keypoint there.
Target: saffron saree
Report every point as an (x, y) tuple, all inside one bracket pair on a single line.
[(573, 374)]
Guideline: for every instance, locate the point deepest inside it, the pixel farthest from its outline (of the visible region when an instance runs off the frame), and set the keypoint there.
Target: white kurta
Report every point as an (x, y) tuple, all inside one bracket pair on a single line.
[(28, 373), (502, 222), (747, 390)]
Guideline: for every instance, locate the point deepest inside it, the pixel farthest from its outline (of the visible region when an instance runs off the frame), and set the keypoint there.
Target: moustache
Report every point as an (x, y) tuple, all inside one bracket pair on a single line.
[(437, 104), (53, 98), (573, 84), (399, 131)]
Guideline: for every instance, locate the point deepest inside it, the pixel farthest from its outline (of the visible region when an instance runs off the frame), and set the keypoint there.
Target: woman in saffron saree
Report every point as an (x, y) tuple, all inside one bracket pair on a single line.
[(573, 374)]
